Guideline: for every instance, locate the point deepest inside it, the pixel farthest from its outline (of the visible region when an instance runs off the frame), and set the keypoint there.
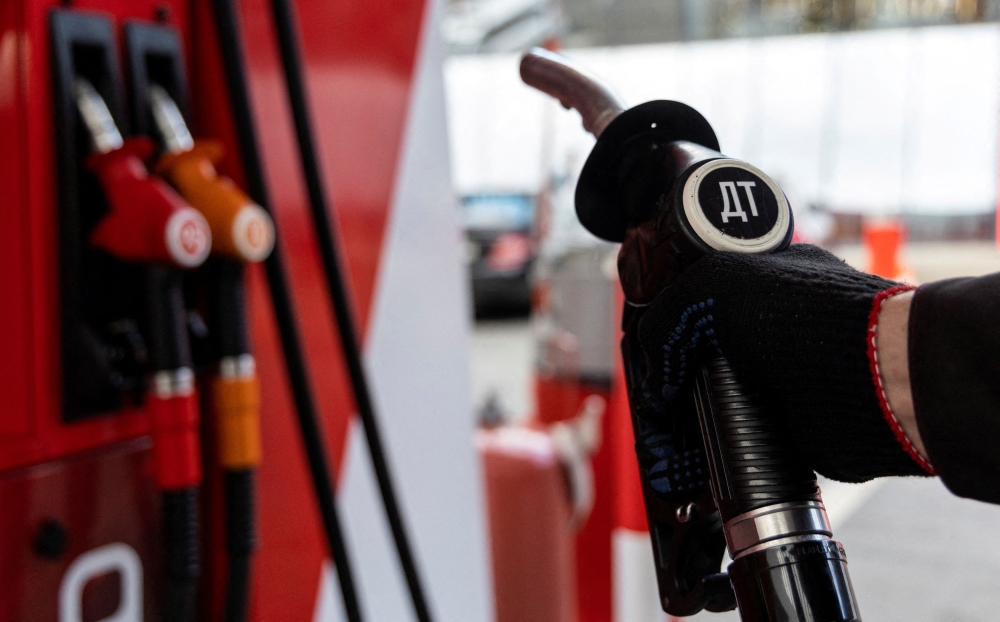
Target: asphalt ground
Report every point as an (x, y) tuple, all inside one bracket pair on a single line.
[(916, 553)]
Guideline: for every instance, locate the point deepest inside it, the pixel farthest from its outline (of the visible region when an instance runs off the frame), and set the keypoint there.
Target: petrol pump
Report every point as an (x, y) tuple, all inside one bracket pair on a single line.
[(107, 469), (729, 479), (139, 304), (129, 245)]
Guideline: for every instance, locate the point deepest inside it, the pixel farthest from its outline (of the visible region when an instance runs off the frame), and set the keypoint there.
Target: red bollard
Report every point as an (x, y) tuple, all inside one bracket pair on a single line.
[(531, 536), (884, 241)]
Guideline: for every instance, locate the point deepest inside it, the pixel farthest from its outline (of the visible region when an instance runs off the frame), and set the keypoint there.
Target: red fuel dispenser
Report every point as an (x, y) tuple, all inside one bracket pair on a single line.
[(103, 411), (148, 223), (98, 375)]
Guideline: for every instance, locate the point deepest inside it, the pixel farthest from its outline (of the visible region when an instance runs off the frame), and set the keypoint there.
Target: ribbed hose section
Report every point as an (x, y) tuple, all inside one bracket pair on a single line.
[(760, 467), (241, 540), (181, 553)]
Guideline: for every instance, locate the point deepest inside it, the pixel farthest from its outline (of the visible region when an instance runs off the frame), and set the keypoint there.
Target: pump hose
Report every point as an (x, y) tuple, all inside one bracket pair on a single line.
[(231, 49), (241, 539), (321, 208), (174, 415), (236, 410), (761, 467), (180, 539)]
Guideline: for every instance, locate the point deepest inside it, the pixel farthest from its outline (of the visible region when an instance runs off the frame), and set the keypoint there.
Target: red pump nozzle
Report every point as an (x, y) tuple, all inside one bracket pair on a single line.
[(147, 220)]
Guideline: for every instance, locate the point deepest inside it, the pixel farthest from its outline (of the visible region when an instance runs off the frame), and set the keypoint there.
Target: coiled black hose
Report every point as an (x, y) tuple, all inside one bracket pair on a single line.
[(784, 569), (759, 464), (181, 553), (231, 341), (169, 351)]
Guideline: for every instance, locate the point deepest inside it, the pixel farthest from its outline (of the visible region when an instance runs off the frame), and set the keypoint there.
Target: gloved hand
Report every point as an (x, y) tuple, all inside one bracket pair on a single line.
[(796, 326)]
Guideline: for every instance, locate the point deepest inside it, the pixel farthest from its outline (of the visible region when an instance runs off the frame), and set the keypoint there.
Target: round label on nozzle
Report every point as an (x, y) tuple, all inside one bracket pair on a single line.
[(188, 237), (253, 233), (734, 206)]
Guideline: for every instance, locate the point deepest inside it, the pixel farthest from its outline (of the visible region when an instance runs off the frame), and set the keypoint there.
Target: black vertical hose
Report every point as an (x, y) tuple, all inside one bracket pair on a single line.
[(169, 351), (232, 57), (320, 207), (227, 301), (757, 464), (241, 540), (181, 553), (790, 569)]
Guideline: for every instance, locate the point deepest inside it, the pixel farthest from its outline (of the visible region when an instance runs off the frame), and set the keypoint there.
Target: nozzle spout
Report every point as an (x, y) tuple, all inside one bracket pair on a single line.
[(574, 87), (104, 134), (170, 121)]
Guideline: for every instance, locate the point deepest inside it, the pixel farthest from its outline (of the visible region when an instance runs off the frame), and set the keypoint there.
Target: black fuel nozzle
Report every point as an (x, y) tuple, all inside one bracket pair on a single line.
[(657, 183)]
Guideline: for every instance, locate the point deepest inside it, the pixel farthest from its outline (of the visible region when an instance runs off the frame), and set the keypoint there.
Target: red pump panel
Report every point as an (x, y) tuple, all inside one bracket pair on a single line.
[(16, 312), (359, 61), (76, 495), (30, 357), (92, 478)]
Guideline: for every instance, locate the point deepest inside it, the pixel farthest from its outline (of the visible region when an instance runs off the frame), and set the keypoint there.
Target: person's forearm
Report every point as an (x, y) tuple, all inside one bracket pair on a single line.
[(891, 343)]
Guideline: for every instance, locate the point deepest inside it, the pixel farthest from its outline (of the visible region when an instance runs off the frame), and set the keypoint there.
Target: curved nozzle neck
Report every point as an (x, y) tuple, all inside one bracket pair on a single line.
[(573, 86)]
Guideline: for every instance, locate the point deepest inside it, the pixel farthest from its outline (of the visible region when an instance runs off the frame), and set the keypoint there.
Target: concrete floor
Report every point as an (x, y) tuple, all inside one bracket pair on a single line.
[(932, 261), (916, 552), (503, 354)]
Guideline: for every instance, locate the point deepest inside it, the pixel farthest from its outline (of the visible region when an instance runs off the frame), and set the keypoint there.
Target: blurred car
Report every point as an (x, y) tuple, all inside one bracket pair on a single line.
[(500, 251)]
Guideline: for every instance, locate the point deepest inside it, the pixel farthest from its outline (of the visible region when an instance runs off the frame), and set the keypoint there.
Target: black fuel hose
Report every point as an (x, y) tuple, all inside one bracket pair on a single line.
[(169, 351), (227, 301), (231, 49), (321, 208), (241, 540), (763, 490), (181, 553)]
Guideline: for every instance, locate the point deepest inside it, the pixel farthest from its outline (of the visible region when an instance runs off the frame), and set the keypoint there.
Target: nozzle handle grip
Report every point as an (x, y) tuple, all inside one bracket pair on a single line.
[(750, 460), (786, 564), (574, 87)]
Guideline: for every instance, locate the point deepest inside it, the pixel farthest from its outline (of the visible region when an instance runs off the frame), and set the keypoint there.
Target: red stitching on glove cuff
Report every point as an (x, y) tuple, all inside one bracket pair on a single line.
[(890, 417)]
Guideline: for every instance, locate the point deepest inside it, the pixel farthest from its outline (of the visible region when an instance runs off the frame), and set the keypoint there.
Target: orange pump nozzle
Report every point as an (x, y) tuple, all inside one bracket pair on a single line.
[(241, 229)]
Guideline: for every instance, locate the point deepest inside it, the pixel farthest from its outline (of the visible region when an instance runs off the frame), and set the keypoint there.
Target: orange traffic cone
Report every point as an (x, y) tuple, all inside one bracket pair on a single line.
[(883, 241)]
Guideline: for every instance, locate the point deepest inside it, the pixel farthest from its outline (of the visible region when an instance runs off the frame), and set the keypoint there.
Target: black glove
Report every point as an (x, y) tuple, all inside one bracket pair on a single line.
[(795, 325)]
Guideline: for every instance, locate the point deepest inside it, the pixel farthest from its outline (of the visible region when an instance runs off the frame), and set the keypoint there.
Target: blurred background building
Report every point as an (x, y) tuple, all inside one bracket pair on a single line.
[(860, 108), (877, 117), (509, 25), (601, 22)]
